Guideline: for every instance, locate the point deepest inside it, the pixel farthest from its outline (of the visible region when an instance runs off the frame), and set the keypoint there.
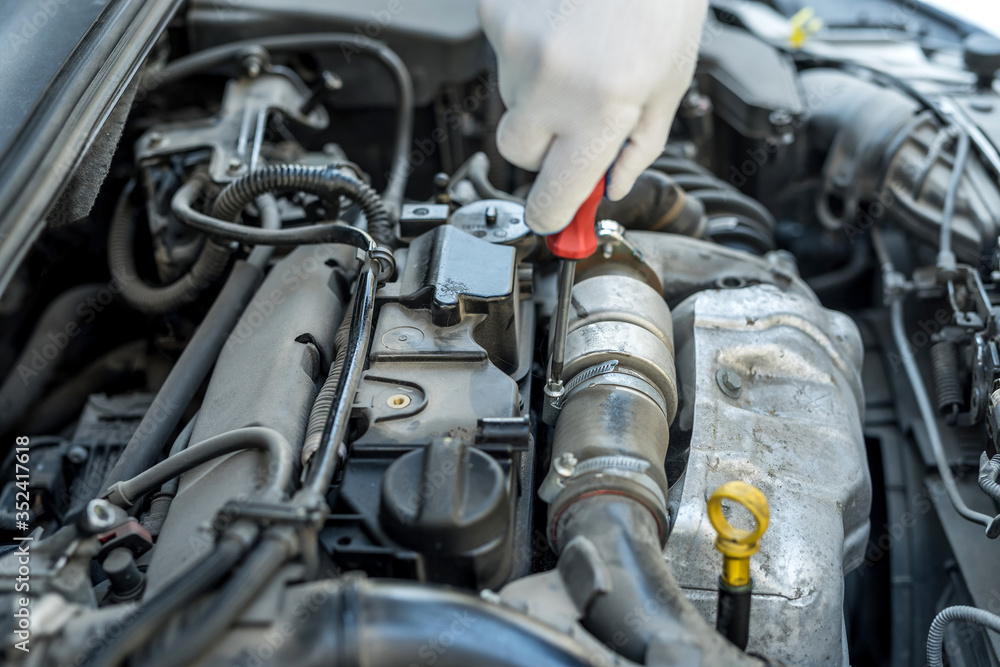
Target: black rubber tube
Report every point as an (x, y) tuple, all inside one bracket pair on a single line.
[(226, 606), (188, 373), (859, 263), (625, 535), (151, 616), (335, 232), (279, 472), (723, 200), (64, 403), (320, 181), (156, 300), (27, 379), (387, 624), (356, 43)]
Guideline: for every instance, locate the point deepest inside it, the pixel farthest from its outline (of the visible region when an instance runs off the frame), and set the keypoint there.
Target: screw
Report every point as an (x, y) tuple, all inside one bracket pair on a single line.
[(564, 464), (235, 164), (729, 382)]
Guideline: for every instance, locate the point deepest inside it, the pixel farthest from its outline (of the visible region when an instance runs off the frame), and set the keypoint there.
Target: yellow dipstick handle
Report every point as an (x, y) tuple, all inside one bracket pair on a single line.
[(738, 545)]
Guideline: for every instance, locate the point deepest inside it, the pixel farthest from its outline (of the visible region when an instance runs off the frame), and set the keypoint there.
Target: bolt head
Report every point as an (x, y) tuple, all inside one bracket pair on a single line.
[(729, 382)]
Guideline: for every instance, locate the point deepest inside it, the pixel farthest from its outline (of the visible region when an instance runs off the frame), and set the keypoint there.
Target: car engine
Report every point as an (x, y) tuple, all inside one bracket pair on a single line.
[(275, 358)]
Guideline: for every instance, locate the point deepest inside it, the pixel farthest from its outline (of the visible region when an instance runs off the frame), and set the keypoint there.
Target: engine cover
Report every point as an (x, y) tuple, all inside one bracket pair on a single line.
[(793, 429)]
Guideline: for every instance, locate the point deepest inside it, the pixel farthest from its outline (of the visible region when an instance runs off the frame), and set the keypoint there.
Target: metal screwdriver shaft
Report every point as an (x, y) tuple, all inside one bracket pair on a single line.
[(567, 271), (578, 241)]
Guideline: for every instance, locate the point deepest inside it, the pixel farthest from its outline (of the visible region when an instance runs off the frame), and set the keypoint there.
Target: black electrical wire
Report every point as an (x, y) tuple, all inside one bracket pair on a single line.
[(311, 234), (399, 172), (322, 181), (211, 263)]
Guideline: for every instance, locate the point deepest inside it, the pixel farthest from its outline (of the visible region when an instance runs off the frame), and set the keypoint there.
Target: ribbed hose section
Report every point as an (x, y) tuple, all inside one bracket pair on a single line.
[(208, 268), (319, 181), (947, 385), (935, 636), (324, 399), (989, 470)]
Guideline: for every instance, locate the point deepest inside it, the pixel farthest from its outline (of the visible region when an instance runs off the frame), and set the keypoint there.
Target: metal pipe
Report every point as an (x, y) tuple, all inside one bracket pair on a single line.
[(930, 423), (332, 452)]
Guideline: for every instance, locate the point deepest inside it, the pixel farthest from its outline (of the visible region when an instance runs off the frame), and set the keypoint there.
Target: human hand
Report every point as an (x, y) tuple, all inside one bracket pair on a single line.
[(582, 77)]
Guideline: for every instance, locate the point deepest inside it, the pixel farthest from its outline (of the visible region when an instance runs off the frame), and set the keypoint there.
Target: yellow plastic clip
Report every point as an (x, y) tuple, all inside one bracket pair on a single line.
[(804, 24), (738, 545)]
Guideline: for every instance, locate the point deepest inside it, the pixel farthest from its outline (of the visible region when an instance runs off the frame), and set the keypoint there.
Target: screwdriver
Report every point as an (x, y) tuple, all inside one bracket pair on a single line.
[(577, 241)]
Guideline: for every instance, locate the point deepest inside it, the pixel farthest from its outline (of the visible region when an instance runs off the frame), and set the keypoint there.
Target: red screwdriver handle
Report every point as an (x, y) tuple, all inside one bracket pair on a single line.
[(578, 240)]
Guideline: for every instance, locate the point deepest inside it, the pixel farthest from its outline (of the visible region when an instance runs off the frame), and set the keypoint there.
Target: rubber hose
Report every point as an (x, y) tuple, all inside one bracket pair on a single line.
[(946, 258), (279, 471), (324, 399), (989, 469), (27, 381), (198, 357), (624, 534), (149, 299), (478, 173), (63, 404), (935, 636), (320, 181), (730, 201), (159, 506), (336, 232), (187, 374), (838, 279), (226, 606)]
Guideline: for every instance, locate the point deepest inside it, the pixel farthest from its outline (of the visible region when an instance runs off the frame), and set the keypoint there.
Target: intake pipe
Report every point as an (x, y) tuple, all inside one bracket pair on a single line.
[(607, 485)]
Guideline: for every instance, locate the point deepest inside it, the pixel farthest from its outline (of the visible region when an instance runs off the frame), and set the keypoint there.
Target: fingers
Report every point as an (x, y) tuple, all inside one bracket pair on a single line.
[(644, 146), (522, 140), (568, 175)]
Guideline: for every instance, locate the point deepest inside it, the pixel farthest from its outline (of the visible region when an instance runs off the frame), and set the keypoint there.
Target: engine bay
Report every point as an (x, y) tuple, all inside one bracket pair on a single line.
[(276, 367)]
